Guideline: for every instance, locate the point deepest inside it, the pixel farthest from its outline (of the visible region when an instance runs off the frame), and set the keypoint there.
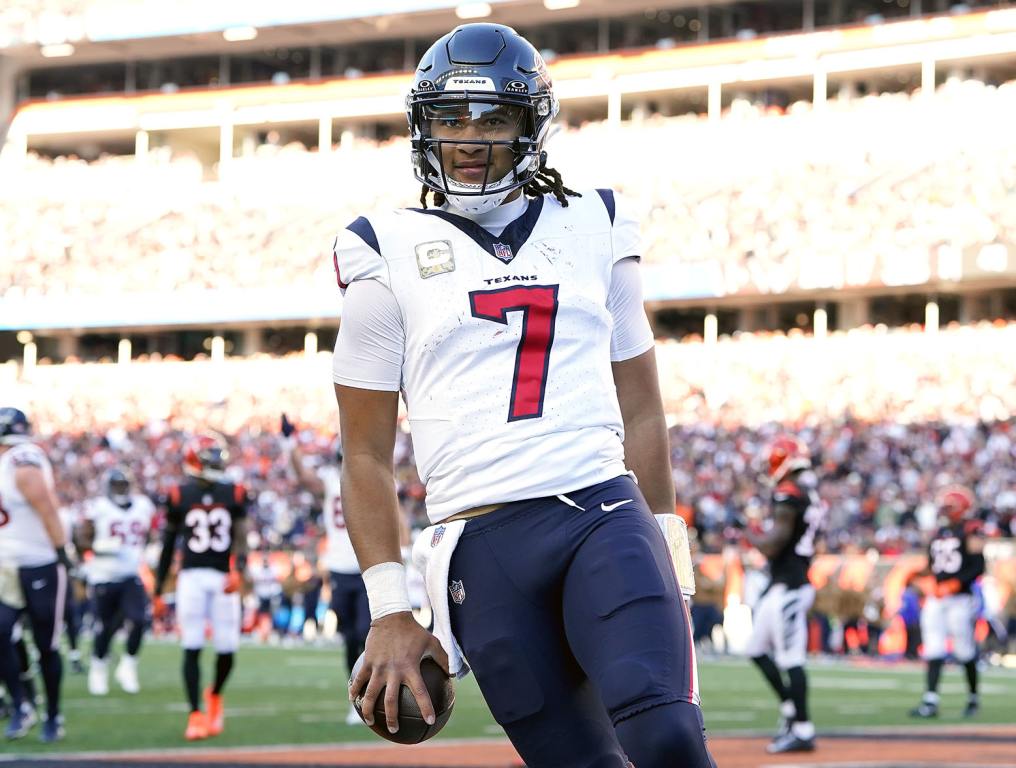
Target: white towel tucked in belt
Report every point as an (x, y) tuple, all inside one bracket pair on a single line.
[(432, 555)]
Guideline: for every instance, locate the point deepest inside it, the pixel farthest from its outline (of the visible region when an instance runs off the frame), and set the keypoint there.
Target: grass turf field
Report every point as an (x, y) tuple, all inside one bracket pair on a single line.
[(297, 696)]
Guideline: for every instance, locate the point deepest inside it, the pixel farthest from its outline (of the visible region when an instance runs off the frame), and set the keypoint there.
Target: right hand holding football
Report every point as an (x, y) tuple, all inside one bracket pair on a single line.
[(395, 645)]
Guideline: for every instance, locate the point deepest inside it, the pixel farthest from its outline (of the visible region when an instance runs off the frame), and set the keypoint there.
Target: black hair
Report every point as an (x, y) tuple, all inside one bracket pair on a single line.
[(547, 180)]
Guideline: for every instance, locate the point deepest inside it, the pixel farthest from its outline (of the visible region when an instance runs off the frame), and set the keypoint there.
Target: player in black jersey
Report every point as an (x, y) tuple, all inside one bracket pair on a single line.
[(955, 559), (209, 514), (779, 640)]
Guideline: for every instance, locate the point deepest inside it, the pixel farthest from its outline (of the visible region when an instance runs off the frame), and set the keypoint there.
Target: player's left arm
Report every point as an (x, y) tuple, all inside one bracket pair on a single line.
[(633, 360), (84, 533), (773, 541), (31, 483), (238, 532), (174, 517), (646, 444)]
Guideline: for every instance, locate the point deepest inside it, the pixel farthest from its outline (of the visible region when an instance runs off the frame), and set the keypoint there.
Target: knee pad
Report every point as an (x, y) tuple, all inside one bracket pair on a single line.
[(625, 683)]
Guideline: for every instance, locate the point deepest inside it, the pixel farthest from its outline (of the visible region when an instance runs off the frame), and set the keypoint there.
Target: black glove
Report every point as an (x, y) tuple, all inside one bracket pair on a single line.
[(288, 427), (64, 559)]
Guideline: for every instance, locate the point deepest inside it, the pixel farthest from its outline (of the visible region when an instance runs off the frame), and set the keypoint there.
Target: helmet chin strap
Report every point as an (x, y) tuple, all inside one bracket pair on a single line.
[(477, 204)]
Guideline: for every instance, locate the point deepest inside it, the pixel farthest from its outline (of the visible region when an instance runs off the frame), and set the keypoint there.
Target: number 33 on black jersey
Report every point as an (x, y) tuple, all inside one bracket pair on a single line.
[(204, 514)]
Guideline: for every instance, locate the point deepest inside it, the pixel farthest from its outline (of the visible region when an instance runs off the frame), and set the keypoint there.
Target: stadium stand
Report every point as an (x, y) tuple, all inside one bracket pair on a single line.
[(843, 197)]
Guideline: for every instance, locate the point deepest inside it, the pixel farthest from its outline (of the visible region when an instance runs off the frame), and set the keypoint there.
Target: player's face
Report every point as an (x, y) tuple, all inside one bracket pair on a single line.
[(474, 160)]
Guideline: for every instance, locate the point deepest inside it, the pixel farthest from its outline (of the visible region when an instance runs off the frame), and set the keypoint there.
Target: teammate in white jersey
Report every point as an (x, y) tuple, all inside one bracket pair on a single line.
[(116, 529), (348, 594), (32, 540), (510, 317)]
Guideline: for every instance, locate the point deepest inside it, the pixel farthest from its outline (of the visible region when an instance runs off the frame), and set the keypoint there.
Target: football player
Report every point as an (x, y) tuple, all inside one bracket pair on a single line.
[(511, 318), (208, 512), (779, 639), (268, 591), (955, 559), (115, 529), (32, 540), (348, 594)]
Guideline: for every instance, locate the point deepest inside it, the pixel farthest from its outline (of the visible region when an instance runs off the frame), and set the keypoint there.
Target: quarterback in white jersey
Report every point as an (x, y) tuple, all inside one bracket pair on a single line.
[(116, 529), (510, 319), (33, 545), (530, 414)]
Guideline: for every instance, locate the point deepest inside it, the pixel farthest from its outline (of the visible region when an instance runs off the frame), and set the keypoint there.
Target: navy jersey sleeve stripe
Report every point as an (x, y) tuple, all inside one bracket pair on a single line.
[(607, 195), (365, 231)]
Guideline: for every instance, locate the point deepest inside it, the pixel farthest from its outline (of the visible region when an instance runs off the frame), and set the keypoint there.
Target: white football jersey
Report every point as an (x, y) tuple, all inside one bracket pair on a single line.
[(339, 555), (23, 538), (120, 537), (506, 371)]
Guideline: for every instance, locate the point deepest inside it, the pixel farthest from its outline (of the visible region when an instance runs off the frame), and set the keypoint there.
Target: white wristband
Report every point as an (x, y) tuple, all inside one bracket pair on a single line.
[(386, 589)]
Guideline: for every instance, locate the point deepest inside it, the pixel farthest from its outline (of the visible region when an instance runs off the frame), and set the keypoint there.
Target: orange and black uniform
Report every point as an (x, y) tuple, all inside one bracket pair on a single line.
[(204, 514)]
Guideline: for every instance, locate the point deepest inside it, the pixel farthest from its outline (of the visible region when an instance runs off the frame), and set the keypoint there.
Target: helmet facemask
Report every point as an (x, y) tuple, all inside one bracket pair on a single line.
[(118, 487), (476, 149), (120, 493), (206, 459)]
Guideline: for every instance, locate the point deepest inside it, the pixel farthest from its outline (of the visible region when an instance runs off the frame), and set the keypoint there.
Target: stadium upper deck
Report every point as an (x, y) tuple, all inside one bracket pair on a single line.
[(606, 59), (621, 60)]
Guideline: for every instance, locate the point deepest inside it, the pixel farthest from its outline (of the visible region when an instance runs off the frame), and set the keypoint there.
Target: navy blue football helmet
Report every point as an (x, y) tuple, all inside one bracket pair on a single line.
[(14, 426), (488, 77), (117, 484)]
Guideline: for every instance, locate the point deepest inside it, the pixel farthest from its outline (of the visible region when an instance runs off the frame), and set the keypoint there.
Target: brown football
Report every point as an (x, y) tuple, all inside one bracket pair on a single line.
[(412, 727)]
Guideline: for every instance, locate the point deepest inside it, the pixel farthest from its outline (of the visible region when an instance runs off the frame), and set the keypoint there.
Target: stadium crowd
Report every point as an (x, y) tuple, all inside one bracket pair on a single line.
[(879, 480), (891, 416), (859, 193)]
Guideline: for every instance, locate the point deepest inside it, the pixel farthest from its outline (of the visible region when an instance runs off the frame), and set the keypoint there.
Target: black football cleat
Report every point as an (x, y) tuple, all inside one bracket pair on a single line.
[(52, 730), (972, 708)]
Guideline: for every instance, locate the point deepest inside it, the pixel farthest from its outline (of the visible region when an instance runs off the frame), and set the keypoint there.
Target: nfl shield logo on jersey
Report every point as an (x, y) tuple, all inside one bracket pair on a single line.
[(503, 252), (438, 535), (458, 592)]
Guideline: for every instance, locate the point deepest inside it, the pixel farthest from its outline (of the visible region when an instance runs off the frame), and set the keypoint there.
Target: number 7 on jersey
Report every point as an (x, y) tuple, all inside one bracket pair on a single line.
[(538, 305)]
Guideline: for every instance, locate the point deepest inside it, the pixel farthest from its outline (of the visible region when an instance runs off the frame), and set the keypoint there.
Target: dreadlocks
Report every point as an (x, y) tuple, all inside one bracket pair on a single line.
[(547, 180)]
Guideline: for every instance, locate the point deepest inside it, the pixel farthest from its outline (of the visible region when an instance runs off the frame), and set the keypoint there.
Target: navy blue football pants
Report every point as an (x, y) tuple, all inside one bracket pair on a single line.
[(117, 602), (573, 623), (349, 602), (45, 589)]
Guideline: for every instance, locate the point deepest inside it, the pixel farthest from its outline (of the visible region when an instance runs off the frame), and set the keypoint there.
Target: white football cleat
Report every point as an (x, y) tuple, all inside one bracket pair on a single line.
[(127, 674), (98, 677)]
